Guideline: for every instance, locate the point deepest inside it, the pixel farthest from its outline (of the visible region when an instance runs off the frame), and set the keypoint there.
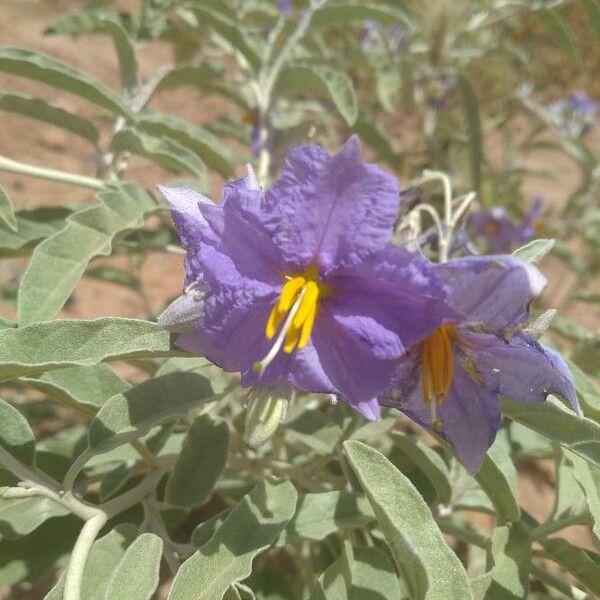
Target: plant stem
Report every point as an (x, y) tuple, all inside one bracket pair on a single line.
[(13, 166), (81, 550), (550, 527), (570, 591), (462, 533)]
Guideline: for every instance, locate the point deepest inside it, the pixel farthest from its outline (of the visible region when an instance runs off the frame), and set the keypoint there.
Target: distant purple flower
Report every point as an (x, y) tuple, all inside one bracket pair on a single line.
[(500, 231), (300, 285), (286, 7), (574, 116), (451, 382)]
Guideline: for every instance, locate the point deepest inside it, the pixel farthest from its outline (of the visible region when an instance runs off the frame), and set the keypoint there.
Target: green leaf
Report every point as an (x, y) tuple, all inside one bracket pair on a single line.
[(85, 388), (200, 463), (582, 564), (21, 516), (58, 262), (89, 21), (7, 215), (218, 16), (227, 557), (552, 419), (371, 133), (205, 530), (136, 575), (323, 81), (162, 150), (567, 500), (206, 145), (387, 80), (587, 354), (16, 436), (60, 344), (32, 226), (104, 557), (369, 575), (429, 461), (592, 8), (319, 515), (559, 28), (340, 13), (471, 107), (51, 71), (510, 556), (589, 395), (534, 251), (133, 413), (30, 558), (588, 477), (498, 479), (28, 106), (429, 567), (195, 75)]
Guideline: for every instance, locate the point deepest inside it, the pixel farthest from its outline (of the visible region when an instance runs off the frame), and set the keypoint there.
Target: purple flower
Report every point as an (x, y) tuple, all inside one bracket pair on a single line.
[(300, 284), (451, 382), (286, 7), (499, 230), (574, 116)]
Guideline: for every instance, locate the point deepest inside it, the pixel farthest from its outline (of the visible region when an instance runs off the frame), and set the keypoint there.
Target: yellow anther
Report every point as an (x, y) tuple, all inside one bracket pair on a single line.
[(300, 294), (437, 364)]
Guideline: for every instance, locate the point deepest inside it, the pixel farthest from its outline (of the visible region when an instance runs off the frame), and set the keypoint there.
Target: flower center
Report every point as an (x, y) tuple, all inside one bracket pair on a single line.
[(292, 318), (437, 368)]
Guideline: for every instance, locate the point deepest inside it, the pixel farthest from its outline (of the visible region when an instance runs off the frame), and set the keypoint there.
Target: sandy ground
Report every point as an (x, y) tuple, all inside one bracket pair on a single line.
[(22, 23)]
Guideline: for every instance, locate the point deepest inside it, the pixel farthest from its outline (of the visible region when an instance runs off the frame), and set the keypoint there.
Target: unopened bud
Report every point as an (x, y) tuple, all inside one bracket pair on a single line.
[(265, 411)]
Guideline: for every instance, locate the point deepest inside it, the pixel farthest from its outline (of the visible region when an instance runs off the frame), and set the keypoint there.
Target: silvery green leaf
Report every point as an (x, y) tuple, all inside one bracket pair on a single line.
[(162, 150), (323, 81), (250, 528), (41, 110), (429, 461), (86, 388), (429, 568), (133, 413), (588, 476), (97, 21), (587, 391), (32, 225), (340, 13), (534, 251), (46, 69), (558, 423), (21, 516), (60, 344), (105, 555), (7, 214), (136, 575), (510, 558), (498, 479), (199, 140), (321, 514), (205, 530), (583, 564), (50, 544), (58, 262), (16, 436), (200, 462)]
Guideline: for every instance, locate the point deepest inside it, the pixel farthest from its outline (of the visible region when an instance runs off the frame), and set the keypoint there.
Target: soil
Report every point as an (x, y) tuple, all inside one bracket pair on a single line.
[(22, 23)]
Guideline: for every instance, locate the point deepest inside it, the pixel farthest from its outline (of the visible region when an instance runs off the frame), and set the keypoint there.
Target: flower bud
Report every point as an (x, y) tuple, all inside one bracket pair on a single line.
[(266, 409)]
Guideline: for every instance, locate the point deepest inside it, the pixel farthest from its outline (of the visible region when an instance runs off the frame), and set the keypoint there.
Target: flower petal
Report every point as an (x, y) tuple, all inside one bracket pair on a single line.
[(390, 301), (331, 210), (198, 221), (522, 369), (470, 413), (494, 291)]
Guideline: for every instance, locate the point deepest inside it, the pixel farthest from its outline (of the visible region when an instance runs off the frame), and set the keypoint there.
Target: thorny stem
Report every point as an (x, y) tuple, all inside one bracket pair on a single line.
[(13, 166)]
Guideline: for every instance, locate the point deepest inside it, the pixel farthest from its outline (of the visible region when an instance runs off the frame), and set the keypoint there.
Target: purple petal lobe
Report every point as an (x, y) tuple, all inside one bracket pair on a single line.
[(332, 211), (522, 369), (494, 291)]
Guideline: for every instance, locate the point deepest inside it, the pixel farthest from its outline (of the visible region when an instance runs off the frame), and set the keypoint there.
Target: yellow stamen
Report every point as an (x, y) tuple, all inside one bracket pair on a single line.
[(300, 294), (437, 364)]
